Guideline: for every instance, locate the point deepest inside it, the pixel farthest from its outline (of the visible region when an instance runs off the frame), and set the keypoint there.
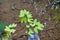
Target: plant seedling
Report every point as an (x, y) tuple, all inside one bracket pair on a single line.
[(25, 16), (9, 29), (32, 25), (36, 26)]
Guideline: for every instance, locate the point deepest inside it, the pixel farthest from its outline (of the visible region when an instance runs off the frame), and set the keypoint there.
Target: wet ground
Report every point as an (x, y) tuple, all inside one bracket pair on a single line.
[(38, 9)]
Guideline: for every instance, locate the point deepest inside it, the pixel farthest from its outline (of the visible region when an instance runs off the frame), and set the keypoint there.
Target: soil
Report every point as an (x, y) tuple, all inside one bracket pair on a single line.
[(39, 10)]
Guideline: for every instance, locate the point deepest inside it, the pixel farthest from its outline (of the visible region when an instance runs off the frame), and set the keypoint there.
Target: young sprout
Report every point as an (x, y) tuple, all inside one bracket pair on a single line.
[(25, 16), (9, 29), (32, 25)]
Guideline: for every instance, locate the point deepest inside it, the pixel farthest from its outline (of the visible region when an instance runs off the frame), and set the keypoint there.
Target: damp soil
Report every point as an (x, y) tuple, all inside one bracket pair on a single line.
[(39, 10)]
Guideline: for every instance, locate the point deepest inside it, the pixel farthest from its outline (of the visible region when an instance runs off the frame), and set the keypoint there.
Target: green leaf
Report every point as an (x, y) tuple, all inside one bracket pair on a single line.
[(38, 23), (27, 12), (36, 30), (12, 25), (7, 28), (35, 22), (40, 26), (22, 13), (8, 33), (23, 20), (29, 16), (30, 32), (30, 19), (12, 30), (32, 25)]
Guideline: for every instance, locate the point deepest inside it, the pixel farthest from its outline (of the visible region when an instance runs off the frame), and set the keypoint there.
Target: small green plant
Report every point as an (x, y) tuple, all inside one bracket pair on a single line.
[(32, 25), (35, 26), (25, 16), (9, 29)]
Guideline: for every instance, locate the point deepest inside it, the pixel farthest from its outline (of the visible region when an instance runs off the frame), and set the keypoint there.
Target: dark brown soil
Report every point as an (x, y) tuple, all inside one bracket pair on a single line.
[(51, 30)]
